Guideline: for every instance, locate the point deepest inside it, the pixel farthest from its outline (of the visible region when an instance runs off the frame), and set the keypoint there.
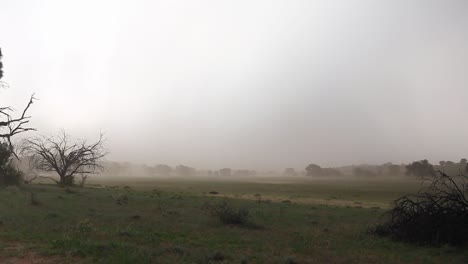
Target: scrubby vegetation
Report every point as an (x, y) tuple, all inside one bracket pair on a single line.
[(312, 221), (437, 214), (9, 173), (322, 222), (230, 215), (316, 170)]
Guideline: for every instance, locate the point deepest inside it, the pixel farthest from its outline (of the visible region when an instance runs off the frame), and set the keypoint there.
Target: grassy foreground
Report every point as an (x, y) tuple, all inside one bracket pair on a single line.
[(167, 221)]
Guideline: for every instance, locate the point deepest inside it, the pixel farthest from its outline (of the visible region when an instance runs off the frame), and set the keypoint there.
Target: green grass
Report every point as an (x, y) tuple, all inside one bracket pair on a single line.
[(326, 221)]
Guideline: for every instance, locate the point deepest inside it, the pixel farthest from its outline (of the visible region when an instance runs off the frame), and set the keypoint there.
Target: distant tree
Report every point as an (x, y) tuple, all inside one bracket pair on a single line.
[(114, 168), (463, 162), (242, 173), (330, 172), (163, 169), (452, 168), (394, 170), (449, 163), (389, 169), (147, 170), (363, 172), (289, 172), (313, 170), (65, 156), (185, 171), (316, 170), (225, 172), (420, 168)]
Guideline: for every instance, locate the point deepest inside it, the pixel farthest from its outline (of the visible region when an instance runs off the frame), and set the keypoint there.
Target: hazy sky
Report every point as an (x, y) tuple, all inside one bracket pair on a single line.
[(245, 84)]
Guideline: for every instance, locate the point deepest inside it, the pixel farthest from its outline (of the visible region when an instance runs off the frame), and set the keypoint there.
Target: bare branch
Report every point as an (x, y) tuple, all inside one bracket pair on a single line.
[(65, 156), (437, 214), (13, 126)]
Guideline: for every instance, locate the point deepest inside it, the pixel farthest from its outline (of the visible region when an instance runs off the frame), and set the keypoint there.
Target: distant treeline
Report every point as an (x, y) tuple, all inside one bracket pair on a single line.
[(417, 168), (130, 169)]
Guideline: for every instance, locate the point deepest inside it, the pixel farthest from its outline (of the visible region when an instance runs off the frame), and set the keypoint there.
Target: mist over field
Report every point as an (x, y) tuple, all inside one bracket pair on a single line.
[(233, 131), (251, 85)]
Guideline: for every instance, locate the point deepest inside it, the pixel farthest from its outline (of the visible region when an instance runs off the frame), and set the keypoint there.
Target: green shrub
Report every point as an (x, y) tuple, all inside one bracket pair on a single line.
[(229, 215), (9, 174)]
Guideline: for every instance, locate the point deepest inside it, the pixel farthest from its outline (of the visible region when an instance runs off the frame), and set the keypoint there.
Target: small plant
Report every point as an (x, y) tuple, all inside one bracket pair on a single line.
[(83, 227), (135, 217), (121, 199), (230, 215), (216, 257), (69, 190), (290, 260), (176, 250), (124, 233), (156, 192), (52, 215)]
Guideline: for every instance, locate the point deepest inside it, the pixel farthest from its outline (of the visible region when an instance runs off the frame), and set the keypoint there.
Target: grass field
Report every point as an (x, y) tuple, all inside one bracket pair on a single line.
[(167, 221)]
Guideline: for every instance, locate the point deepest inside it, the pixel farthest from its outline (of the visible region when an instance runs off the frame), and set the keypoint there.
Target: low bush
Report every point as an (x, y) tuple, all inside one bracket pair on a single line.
[(437, 214), (121, 199), (230, 215), (9, 174)]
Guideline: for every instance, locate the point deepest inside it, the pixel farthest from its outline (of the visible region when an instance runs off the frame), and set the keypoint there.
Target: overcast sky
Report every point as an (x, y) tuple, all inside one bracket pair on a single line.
[(245, 84)]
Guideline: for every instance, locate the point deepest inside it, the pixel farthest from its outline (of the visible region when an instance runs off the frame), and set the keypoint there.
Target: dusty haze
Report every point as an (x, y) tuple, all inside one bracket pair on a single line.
[(245, 84)]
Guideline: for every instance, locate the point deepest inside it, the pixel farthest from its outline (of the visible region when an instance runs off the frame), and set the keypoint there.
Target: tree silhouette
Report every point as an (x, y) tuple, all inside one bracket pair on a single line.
[(313, 170), (65, 156), (437, 214), (163, 169), (421, 168), (9, 125)]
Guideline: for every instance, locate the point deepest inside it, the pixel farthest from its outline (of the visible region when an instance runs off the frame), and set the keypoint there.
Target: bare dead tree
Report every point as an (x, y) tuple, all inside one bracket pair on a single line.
[(437, 214), (9, 125), (65, 156)]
